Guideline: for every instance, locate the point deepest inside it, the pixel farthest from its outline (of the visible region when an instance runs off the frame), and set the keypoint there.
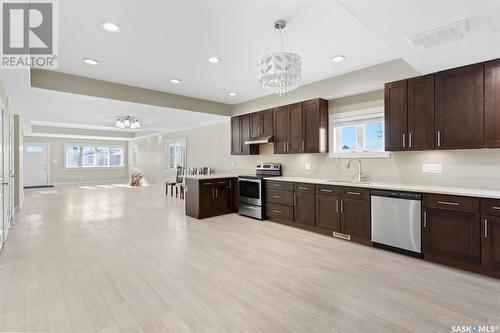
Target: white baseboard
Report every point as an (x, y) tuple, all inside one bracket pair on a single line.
[(92, 182)]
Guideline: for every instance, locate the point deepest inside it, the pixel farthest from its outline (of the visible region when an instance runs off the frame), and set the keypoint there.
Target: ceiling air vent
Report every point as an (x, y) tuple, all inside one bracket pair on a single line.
[(441, 35)]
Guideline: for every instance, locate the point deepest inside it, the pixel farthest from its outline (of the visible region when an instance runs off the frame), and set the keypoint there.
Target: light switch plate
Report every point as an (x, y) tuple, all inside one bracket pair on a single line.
[(307, 166), (432, 168)]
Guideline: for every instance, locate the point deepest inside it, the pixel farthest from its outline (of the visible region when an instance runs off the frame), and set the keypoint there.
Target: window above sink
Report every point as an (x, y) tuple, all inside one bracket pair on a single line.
[(357, 134)]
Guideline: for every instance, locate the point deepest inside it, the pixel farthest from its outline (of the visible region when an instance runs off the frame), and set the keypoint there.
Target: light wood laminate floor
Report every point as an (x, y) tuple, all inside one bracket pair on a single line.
[(120, 259)]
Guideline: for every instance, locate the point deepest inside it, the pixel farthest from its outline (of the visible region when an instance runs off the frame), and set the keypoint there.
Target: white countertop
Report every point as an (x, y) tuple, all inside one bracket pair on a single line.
[(470, 192), (212, 176)]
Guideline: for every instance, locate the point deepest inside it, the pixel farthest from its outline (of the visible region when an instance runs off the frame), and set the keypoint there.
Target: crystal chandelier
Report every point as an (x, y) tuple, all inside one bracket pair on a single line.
[(127, 122), (280, 72)]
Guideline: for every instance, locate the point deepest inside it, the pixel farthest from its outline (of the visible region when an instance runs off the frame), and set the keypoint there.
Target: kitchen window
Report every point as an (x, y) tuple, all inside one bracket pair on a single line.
[(87, 156), (357, 134), (175, 153)]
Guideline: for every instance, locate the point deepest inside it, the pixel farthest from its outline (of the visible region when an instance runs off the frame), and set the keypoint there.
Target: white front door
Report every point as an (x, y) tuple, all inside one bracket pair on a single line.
[(36, 164), (11, 171)]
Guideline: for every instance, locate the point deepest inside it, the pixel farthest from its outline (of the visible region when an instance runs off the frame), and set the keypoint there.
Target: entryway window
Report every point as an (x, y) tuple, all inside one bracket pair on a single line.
[(86, 156), (357, 134), (175, 153)]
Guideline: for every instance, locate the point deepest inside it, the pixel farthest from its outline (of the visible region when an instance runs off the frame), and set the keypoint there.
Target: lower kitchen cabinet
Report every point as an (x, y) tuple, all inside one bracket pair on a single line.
[(212, 197), (490, 242), (451, 234), (304, 204), (355, 218), (327, 212)]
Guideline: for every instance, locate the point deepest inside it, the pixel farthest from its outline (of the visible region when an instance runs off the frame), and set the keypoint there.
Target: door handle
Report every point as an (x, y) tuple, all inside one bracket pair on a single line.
[(354, 193), (324, 190), (439, 138), (276, 196), (425, 219), (449, 203), (404, 141), (409, 140), (337, 205), (485, 228), (341, 206)]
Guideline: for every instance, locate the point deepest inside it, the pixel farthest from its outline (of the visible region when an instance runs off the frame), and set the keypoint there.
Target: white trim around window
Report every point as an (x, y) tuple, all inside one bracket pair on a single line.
[(175, 154), (357, 124), (92, 157)]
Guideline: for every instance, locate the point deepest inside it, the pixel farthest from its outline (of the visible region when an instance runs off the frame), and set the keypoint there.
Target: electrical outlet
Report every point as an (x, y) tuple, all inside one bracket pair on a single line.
[(307, 166), (432, 168)]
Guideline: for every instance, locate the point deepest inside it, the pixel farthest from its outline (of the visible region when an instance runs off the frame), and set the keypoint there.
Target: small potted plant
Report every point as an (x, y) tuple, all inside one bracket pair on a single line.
[(137, 177)]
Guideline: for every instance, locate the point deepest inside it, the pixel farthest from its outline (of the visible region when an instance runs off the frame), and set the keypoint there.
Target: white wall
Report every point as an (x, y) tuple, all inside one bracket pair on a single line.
[(210, 146), (58, 174)]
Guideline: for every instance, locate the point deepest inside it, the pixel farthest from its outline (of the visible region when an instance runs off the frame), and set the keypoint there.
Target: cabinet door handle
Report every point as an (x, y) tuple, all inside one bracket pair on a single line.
[(287, 146), (409, 140), (213, 193), (303, 145), (485, 228), (425, 219), (216, 192), (496, 208), (277, 185), (439, 138), (354, 193), (325, 190), (404, 141), (302, 188), (221, 182), (449, 203), (294, 199), (207, 183), (277, 211), (341, 206), (284, 147), (337, 205), (277, 197)]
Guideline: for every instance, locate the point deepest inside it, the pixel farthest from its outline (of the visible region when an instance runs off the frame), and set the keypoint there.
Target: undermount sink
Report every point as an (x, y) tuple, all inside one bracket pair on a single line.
[(345, 181)]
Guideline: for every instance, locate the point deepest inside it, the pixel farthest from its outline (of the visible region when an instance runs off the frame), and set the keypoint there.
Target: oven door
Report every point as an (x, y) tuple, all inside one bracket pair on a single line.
[(250, 191)]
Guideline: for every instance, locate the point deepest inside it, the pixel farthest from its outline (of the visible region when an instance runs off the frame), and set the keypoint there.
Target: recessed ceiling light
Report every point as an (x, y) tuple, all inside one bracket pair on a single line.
[(111, 27), (338, 58), (233, 93), (213, 60), (89, 61), (175, 81)]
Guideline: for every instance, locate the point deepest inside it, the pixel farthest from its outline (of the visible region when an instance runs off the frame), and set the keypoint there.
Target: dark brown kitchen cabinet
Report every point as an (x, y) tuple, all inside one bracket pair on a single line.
[(210, 197), (355, 218), (396, 115), (240, 132), (490, 236), (459, 113), (315, 118), (451, 230), (492, 104), (327, 208), (301, 127), (304, 204), (261, 124), (421, 131)]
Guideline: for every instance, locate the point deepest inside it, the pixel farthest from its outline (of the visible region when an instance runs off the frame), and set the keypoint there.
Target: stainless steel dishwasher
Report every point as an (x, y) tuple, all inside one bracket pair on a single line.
[(396, 221)]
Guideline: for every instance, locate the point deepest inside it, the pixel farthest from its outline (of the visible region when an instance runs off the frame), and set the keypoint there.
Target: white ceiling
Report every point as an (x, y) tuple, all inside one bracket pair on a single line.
[(161, 40), (58, 109), (394, 21)]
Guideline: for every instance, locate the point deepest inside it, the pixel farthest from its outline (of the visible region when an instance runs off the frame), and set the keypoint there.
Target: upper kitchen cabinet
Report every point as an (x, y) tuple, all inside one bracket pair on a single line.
[(459, 114), (421, 131), (261, 124), (301, 127), (240, 132), (315, 118), (409, 114), (492, 104), (396, 115)]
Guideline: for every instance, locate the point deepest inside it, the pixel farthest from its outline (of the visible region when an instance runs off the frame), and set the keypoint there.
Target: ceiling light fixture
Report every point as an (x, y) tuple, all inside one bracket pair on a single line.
[(233, 93), (176, 81), (280, 72), (127, 122), (213, 60), (337, 58), (110, 27), (89, 61)]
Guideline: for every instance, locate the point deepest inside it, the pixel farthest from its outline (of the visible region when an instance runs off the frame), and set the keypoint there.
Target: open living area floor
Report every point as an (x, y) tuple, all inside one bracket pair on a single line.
[(115, 258)]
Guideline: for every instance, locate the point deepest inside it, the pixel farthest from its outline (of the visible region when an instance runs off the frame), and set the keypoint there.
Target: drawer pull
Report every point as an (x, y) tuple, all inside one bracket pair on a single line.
[(354, 193), (207, 183), (277, 185), (277, 197), (302, 188), (277, 211), (449, 203), (496, 208), (221, 182), (323, 190)]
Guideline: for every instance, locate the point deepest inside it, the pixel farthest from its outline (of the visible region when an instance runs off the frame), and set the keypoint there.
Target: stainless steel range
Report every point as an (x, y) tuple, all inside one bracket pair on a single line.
[(251, 190)]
